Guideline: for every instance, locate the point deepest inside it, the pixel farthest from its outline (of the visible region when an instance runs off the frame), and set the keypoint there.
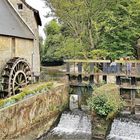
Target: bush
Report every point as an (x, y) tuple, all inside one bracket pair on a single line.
[(105, 103)]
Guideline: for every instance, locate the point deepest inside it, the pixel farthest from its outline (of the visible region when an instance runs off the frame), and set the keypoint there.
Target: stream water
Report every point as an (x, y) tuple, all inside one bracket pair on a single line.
[(76, 124), (73, 125), (125, 129)]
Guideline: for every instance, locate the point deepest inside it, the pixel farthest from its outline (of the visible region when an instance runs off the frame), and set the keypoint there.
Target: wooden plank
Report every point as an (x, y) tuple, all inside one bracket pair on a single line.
[(107, 74), (127, 61), (86, 61), (100, 61), (129, 87)]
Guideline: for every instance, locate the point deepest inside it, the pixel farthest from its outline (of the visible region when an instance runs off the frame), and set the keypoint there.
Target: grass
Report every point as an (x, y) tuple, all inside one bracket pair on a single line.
[(27, 92), (108, 88)]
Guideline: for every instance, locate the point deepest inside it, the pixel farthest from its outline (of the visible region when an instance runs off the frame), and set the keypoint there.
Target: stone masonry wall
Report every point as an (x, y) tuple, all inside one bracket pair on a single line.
[(5, 51), (33, 116), (23, 48)]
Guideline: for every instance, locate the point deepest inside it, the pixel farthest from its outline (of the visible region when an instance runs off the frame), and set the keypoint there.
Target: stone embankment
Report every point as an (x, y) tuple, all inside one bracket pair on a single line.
[(33, 116)]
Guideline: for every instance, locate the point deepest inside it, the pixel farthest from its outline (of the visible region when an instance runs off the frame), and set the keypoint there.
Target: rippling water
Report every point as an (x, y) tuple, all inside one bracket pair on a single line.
[(75, 125), (124, 129)]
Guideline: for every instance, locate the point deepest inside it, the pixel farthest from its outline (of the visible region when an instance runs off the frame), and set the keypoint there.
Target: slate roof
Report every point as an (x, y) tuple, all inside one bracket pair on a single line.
[(11, 24)]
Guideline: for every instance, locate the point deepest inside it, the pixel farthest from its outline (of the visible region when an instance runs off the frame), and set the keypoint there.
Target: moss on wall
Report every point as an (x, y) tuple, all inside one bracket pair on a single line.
[(33, 111), (27, 92)]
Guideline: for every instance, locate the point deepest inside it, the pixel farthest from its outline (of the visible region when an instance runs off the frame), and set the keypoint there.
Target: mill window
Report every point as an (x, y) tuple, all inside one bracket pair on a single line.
[(20, 6)]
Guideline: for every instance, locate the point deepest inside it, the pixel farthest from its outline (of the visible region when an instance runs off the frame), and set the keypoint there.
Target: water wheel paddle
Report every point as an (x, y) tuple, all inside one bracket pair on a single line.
[(16, 74)]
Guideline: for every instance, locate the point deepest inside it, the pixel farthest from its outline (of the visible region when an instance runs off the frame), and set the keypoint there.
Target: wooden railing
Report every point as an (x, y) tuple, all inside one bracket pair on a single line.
[(103, 67)]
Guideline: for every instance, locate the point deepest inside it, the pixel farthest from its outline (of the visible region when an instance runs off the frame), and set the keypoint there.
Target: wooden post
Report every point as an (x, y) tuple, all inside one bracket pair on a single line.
[(133, 95), (133, 80), (105, 70), (68, 68), (118, 80), (105, 78), (91, 79), (118, 69), (91, 68), (79, 78), (79, 68), (138, 68)]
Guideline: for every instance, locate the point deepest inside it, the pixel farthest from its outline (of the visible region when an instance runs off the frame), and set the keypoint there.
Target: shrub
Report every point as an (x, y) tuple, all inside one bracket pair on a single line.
[(105, 103)]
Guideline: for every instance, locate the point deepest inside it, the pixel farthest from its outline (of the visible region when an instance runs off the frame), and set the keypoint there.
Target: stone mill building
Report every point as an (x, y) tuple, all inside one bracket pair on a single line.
[(19, 38)]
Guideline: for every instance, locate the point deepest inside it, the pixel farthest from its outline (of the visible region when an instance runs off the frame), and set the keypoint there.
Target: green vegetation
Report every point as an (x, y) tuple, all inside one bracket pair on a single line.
[(52, 42), (27, 92), (121, 29), (57, 45), (94, 29), (106, 101)]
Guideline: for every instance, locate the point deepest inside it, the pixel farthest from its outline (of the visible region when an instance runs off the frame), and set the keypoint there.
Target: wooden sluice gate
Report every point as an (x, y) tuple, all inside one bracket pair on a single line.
[(126, 75)]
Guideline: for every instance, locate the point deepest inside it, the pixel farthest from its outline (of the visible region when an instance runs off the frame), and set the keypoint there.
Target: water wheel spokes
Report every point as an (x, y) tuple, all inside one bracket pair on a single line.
[(19, 81), (16, 74)]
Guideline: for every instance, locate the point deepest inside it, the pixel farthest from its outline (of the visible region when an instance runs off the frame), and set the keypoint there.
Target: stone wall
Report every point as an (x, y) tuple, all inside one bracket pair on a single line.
[(24, 49), (5, 50), (15, 47), (31, 117)]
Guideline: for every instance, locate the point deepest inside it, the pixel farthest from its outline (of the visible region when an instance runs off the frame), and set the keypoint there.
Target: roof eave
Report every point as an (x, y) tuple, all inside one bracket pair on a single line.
[(13, 36), (36, 13)]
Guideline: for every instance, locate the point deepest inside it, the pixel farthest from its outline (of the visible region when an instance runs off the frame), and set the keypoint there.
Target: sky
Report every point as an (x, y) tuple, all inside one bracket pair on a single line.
[(43, 10)]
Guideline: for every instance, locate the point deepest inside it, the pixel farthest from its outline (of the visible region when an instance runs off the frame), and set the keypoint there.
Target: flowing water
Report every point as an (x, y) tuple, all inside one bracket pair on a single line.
[(125, 129), (74, 125)]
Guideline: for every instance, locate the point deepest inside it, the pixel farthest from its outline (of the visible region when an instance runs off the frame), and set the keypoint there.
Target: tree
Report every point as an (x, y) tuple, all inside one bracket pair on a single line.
[(53, 41), (107, 25), (79, 16), (121, 29), (59, 43)]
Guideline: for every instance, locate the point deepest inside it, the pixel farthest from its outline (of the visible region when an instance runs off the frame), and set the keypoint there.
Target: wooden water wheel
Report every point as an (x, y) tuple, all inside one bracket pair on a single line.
[(16, 74)]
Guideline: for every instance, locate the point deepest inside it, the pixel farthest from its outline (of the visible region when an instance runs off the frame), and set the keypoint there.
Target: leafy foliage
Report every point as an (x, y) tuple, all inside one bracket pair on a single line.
[(70, 48), (121, 29), (106, 103), (112, 27), (98, 54), (53, 41), (59, 44), (100, 105)]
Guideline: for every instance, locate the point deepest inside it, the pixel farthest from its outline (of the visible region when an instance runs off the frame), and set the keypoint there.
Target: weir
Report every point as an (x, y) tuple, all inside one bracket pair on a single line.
[(72, 125), (125, 129), (82, 73)]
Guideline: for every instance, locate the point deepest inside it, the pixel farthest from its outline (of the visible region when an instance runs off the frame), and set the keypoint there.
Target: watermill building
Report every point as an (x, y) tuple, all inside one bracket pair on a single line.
[(19, 38)]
